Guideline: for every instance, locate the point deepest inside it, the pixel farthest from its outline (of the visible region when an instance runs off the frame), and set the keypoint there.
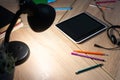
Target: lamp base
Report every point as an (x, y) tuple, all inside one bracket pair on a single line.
[(19, 50)]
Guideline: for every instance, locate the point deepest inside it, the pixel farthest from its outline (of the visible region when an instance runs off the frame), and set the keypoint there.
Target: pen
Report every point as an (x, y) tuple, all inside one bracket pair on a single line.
[(89, 68), (90, 57), (88, 52)]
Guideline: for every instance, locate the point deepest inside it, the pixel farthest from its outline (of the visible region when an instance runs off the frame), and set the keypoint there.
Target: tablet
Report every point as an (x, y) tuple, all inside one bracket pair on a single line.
[(81, 27)]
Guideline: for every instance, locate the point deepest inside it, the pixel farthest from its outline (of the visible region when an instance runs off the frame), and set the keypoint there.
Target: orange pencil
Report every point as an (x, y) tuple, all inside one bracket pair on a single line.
[(88, 52)]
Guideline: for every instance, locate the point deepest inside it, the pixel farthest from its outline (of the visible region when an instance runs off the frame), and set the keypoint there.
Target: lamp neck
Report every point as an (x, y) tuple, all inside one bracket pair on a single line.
[(11, 26)]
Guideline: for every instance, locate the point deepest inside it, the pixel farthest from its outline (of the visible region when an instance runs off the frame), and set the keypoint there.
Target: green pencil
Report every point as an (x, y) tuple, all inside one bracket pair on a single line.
[(89, 68)]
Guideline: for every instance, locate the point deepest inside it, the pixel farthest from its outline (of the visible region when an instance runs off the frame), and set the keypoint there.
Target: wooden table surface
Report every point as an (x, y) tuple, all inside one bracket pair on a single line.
[(50, 57)]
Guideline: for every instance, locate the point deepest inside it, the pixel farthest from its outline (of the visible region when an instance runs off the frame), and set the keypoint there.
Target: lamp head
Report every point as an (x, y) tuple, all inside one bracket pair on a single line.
[(40, 16)]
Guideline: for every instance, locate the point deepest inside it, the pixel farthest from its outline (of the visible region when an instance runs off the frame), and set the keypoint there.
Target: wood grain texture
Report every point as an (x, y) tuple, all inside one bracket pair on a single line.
[(50, 57)]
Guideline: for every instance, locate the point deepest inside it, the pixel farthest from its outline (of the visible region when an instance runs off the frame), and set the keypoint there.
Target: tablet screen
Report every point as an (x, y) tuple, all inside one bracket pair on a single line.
[(81, 27)]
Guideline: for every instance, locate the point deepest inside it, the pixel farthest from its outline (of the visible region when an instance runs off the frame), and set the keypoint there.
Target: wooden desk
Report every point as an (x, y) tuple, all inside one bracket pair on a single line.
[(51, 58)]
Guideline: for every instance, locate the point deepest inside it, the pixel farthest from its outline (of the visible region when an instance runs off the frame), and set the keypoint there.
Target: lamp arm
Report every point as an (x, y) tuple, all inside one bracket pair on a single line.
[(11, 26)]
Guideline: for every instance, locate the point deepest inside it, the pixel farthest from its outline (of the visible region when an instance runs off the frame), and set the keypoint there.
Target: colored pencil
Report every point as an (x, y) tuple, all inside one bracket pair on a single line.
[(90, 57), (89, 52), (88, 68)]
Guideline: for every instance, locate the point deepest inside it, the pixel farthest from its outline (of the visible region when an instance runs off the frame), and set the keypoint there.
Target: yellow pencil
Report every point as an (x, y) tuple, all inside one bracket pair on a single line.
[(88, 52)]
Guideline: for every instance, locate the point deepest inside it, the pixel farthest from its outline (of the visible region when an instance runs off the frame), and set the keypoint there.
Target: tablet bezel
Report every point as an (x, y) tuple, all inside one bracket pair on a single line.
[(104, 27)]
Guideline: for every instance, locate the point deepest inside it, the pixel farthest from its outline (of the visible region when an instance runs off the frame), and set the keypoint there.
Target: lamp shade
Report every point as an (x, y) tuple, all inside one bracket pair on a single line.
[(41, 17)]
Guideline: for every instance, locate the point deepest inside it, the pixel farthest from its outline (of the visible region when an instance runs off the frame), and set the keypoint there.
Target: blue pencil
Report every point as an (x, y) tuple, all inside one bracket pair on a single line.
[(89, 68), (63, 8), (49, 1)]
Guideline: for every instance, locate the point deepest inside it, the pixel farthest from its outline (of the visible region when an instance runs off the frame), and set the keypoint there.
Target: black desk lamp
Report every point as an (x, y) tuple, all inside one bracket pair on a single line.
[(40, 17)]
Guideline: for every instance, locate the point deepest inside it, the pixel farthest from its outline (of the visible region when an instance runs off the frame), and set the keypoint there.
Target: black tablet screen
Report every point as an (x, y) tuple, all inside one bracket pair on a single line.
[(80, 26)]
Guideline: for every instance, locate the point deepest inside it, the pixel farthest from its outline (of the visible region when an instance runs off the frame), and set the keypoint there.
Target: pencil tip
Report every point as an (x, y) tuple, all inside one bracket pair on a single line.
[(101, 65)]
